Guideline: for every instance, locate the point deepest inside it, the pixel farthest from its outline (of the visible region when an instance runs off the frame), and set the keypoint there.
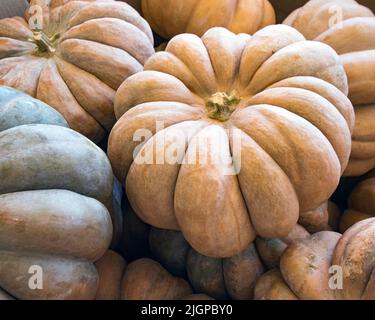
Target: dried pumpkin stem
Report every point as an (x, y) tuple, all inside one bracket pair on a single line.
[(221, 105), (44, 43)]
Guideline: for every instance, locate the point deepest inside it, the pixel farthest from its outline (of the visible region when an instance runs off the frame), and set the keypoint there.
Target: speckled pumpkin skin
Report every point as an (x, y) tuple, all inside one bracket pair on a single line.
[(304, 267)]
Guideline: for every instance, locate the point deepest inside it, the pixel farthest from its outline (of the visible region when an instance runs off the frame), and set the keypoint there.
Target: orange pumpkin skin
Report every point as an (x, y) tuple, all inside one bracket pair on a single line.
[(146, 279), (84, 51), (220, 88), (358, 58), (305, 267), (169, 18), (361, 204)]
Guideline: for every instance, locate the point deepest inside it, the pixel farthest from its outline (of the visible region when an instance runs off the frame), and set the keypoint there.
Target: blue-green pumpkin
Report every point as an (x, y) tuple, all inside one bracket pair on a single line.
[(18, 108)]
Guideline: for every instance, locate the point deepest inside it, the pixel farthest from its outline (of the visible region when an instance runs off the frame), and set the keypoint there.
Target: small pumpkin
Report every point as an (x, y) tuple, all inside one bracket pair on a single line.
[(55, 186), (232, 277), (75, 57), (273, 140), (326, 217), (354, 39), (143, 279), (361, 203), (271, 250), (169, 18), (305, 268)]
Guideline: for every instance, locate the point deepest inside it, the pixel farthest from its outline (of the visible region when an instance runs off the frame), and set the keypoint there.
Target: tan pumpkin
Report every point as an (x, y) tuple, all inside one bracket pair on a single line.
[(285, 7), (143, 279), (354, 39), (55, 186), (305, 268), (232, 277), (169, 18), (288, 131), (361, 203), (271, 250), (326, 217), (79, 58)]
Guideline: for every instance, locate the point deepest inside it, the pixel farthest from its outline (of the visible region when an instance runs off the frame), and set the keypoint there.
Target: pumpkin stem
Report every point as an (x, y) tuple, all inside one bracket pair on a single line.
[(44, 43), (221, 105)]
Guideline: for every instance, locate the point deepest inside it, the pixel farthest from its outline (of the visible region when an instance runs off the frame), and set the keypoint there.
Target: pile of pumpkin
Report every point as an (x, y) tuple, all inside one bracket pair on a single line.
[(97, 134)]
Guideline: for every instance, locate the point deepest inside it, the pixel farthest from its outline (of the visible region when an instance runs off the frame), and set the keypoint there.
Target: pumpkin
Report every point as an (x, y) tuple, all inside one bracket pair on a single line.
[(305, 267), (358, 57), (261, 145), (77, 60), (169, 18), (55, 186), (232, 277), (133, 242), (361, 203), (271, 250), (143, 279), (285, 7), (326, 217), (17, 108)]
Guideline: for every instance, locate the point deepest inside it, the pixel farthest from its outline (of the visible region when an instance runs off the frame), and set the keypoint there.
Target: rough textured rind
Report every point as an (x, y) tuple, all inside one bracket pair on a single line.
[(306, 267)]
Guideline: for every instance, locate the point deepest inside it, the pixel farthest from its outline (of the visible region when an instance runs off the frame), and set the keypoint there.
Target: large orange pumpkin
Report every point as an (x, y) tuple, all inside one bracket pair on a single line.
[(76, 60), (169, 17), (269, 114), (354, 39), (305, 269)]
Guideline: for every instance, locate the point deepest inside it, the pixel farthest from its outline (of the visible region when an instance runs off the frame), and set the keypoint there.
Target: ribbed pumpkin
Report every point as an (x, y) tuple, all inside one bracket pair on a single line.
[(143, 279), (232, 277), (361, 203), (354, 39), (55, 184), (169, 18), (305, 267), (79, 58), (262, 127)]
